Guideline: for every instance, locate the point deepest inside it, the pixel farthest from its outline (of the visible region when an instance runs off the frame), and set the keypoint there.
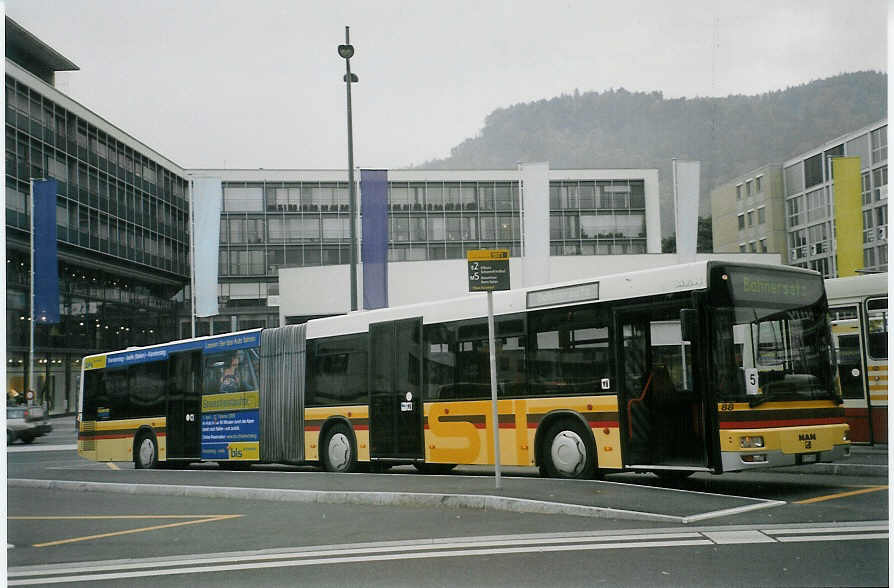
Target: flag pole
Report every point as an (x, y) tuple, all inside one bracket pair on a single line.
[(30, 385), (192, 258)]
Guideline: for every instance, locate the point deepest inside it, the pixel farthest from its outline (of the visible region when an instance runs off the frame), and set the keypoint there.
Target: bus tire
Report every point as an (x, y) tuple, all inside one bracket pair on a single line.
[(145, 451), (434, 468), (568, 451), (10, 437), (339, 450)]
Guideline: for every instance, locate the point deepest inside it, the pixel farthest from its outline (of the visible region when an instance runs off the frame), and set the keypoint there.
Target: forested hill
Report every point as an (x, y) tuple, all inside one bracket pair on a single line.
[(621, 129)]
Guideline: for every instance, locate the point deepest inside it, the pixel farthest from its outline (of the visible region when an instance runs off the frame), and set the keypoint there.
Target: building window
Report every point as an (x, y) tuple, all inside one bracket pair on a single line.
[(750, 218), (748, 188), (761, 215), (813, 170), (757, 184), (752, 246), (879, 139), (763, 245), (243, 199), (741, 222), (742, 248), (880, 184), (739, 192)]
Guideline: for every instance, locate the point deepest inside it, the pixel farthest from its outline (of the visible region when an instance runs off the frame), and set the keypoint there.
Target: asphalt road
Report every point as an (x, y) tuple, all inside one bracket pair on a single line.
[(814, 530)]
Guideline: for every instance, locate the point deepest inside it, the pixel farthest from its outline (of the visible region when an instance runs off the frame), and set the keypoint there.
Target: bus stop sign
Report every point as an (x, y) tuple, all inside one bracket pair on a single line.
[(488, 270)]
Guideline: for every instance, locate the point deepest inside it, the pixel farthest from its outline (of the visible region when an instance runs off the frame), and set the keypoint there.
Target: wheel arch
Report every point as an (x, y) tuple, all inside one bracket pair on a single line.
[(547, 422), (327, 426)]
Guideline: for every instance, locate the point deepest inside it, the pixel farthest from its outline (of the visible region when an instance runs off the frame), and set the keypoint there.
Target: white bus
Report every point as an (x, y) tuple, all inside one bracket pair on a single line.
[(858, 313)]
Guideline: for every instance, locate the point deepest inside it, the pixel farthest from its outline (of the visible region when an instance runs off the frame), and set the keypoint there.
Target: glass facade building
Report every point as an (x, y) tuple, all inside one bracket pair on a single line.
[(121, 226), (297, 218)]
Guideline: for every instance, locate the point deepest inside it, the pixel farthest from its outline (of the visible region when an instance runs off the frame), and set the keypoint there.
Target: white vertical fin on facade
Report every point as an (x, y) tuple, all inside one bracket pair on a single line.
[(207, 198), (534, 223), (686, 203)]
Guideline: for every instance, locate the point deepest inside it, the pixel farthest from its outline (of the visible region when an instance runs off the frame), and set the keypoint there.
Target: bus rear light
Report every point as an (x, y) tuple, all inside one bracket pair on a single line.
[(755, 458), (751, 441)]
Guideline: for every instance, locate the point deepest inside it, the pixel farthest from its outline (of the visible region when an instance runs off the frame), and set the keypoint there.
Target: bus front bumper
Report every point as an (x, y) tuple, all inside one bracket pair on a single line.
[(759, 458)]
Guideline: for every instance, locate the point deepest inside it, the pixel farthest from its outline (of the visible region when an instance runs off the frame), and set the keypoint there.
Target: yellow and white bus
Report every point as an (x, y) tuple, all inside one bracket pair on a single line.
[(858, 313), (641, 371)]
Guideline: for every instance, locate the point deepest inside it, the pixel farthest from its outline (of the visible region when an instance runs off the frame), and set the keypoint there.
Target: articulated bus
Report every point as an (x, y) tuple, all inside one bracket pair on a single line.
[(703, 367), (858, 313)]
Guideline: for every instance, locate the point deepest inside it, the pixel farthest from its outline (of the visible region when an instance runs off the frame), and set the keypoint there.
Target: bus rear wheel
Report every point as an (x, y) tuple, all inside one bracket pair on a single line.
[(568, 451), (339, 450), (145, 455)]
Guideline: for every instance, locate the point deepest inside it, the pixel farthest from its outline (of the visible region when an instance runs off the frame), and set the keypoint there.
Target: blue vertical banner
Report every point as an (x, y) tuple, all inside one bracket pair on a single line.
[(374, 250), (46, 258)]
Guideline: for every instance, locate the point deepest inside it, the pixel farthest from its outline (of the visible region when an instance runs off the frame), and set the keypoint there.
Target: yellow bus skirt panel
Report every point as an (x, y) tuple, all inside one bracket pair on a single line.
[(113, 440), (315, 419), (460, 432)]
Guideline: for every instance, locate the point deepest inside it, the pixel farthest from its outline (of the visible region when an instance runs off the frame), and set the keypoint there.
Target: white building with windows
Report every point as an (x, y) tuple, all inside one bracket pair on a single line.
[(789, 208)]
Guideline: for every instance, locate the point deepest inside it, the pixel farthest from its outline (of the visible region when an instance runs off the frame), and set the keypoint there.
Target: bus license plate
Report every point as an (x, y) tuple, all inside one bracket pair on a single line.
[(809, 458)]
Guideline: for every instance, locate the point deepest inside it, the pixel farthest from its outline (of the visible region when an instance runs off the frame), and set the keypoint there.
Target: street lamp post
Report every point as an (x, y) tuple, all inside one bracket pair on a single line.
[(346, 51)]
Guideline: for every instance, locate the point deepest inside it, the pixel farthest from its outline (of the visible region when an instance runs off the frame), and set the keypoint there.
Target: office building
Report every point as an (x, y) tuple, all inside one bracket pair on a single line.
[(789, 207), (274, 219), (121, 223)]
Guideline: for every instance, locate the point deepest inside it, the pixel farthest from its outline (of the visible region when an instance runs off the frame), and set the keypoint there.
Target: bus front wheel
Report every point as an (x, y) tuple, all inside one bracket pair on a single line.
[(145, 455), (339, 451), (568, 451)]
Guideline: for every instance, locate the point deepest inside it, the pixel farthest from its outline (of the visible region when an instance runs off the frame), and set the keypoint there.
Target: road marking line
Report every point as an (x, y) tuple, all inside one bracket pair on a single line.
[(731, 511), (842, 495), (33, 448), (101, 517), (631, 538), (112, 465), (737, 537), (129, 531), (833, 538), (836, 529)]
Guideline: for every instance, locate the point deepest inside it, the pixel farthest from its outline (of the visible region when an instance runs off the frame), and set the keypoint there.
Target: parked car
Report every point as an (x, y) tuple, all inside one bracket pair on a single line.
[(26, 423)]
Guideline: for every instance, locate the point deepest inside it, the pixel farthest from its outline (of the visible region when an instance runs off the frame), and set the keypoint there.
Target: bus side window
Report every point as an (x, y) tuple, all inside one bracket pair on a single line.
[(877, 337)]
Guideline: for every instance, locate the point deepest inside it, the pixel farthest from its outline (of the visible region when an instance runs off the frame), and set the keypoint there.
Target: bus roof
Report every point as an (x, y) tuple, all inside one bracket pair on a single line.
[(662, 280), (857, 286), (206, 343)]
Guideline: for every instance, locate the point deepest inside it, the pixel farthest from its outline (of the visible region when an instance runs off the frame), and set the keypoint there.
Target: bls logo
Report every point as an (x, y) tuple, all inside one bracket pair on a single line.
[(235, 452), (807, 437)]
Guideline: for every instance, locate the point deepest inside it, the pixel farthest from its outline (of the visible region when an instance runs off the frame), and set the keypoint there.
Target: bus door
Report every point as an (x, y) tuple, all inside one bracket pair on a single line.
[(395, 390), (184, 415), (851, 356), (661, 409)]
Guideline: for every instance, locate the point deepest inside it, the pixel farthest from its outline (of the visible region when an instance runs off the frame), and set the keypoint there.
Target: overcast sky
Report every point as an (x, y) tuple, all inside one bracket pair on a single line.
[(225, 83)]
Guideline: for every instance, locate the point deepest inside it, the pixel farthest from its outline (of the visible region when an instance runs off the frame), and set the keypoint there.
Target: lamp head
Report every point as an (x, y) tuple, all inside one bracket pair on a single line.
[(346, 51)]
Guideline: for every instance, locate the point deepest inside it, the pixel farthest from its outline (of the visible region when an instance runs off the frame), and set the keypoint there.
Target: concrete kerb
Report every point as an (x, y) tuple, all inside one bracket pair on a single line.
[(467, 501)]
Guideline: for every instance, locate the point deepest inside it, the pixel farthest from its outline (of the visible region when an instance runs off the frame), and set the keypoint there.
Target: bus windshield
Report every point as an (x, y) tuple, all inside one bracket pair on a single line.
[(767, 347)]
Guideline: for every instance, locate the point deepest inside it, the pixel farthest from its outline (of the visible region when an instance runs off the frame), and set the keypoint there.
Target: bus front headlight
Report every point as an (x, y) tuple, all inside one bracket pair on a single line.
[(751, 441)]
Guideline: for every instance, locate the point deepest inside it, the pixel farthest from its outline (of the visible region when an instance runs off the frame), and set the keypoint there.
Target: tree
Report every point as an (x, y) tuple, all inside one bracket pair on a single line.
[(704, 242)]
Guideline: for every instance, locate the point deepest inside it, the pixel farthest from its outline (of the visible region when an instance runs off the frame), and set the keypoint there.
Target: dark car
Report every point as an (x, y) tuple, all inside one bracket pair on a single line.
[(26, 423)]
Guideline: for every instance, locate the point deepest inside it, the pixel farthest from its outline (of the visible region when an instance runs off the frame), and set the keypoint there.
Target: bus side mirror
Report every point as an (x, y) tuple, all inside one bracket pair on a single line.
[(688, 324)]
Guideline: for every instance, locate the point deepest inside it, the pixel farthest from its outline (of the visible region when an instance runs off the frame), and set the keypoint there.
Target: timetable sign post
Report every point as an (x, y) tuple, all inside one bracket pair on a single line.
[(488, 270)]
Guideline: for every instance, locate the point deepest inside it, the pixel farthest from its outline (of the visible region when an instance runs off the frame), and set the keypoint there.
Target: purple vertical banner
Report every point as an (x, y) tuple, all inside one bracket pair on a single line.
[(46, 264), (374, 250)]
